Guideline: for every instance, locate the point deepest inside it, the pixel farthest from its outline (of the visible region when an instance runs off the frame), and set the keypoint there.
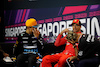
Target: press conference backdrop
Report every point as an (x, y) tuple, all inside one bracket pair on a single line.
[(52, 16), (53, 20)]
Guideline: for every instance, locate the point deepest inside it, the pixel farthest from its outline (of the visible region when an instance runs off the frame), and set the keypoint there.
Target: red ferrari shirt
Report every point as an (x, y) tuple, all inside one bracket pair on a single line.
[(68, 48)]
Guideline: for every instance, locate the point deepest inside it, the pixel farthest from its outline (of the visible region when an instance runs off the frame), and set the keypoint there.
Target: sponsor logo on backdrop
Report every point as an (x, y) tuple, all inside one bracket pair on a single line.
[(89, 16)]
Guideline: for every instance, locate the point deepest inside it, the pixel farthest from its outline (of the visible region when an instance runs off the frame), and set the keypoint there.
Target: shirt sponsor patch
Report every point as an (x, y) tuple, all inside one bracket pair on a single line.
[(80, 53)]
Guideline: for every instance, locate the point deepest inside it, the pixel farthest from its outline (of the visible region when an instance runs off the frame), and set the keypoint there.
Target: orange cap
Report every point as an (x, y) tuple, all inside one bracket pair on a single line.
[(31, 22)]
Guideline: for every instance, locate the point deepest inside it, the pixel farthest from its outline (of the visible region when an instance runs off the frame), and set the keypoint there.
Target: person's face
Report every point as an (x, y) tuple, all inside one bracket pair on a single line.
[(76, 28), (30, 29)]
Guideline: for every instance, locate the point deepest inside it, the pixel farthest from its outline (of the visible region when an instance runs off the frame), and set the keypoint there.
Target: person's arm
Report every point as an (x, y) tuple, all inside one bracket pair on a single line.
[(61, 41), (76, 53), (76, 50), (4, 54), (40, 39), (18, 46), (88, 47)]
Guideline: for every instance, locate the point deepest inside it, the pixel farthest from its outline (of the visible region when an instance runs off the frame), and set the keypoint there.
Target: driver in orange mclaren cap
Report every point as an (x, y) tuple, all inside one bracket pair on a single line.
[(60, 58), (31, 23), (28, 44)]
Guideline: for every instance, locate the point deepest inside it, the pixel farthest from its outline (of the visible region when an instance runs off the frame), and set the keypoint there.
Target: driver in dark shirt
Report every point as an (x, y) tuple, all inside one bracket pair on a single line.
[(87, 48), (28, 44)]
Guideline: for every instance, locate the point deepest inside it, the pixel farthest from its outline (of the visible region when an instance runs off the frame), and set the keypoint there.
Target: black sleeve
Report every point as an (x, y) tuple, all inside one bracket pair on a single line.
[(19, 46), (40, 39), (88, 46), (98, 48), (40, 44), (19, 39), (96, 45)]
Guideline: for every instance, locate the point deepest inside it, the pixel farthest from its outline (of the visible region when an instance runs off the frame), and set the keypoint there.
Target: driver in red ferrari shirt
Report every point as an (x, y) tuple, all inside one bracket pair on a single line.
[(60, 58)]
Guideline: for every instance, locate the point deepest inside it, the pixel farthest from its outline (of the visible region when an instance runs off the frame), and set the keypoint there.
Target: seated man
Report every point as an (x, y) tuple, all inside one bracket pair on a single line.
[(60, 58), (88, 47), (28, 44)]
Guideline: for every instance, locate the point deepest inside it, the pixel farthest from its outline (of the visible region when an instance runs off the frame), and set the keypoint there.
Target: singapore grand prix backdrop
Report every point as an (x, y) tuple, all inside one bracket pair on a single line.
[(53, 20)]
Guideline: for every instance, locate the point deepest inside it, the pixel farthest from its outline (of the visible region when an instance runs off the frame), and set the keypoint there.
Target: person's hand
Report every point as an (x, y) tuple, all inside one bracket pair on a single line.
[(36, 33), (72, 58), (5, 54), (65, 30)]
